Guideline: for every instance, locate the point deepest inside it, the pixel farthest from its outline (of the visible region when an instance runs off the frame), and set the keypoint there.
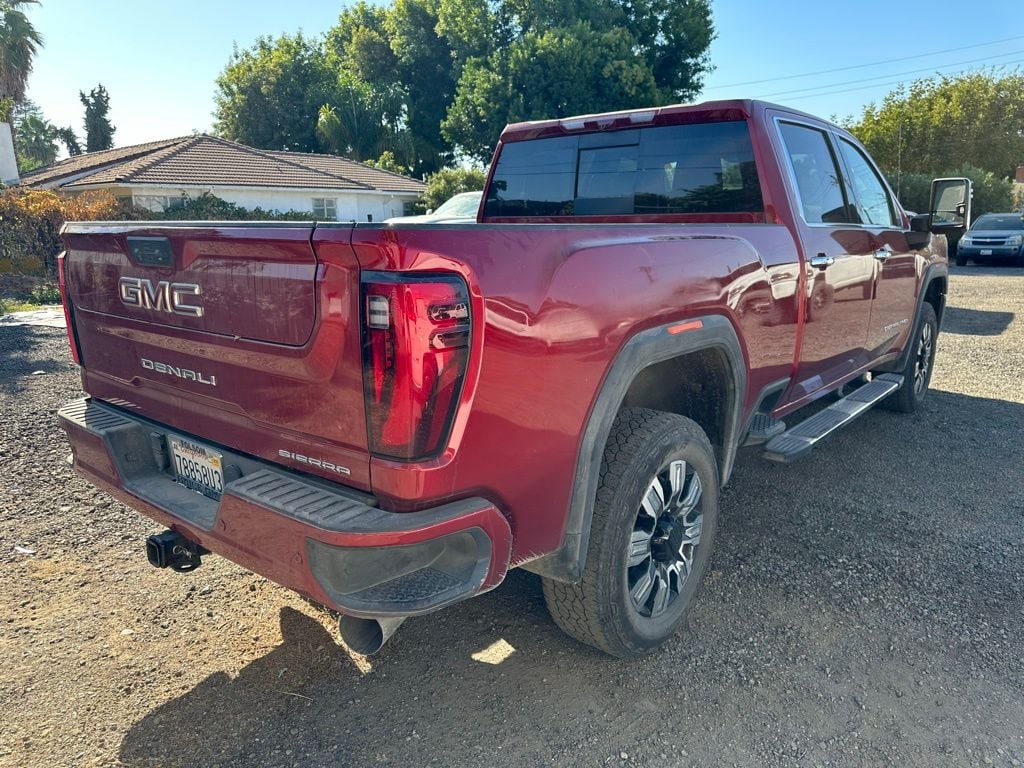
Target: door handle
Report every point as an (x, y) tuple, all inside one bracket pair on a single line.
[(884, 252), (821, 261)]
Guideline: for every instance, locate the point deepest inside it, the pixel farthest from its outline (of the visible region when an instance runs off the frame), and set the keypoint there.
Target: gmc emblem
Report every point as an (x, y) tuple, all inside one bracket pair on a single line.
[(163, 297)]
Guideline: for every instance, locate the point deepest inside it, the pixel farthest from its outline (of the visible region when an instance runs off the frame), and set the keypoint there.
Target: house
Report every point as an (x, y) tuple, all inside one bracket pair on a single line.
[(160, 175)]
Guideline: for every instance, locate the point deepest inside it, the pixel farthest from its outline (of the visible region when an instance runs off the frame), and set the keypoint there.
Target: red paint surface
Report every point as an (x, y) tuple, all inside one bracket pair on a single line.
[(551, 306)]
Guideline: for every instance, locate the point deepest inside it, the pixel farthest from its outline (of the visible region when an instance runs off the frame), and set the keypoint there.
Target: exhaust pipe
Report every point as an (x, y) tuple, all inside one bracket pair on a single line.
[(367, 636)]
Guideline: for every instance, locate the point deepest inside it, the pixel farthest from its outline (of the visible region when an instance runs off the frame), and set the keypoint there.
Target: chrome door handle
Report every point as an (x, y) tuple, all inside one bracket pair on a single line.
[(883, 253), (821, 261)]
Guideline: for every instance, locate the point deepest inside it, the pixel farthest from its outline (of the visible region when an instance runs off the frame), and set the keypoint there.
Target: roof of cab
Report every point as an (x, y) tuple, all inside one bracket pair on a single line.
[(726, 109)]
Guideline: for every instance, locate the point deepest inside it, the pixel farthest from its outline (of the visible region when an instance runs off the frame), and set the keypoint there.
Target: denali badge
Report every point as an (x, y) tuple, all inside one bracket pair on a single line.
[(182, 373), (314, 462), (163, 297)]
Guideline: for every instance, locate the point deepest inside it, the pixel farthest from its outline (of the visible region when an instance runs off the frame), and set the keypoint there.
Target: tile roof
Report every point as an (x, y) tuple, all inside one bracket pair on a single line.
[(208, 160), (350, 169), (93, 160)]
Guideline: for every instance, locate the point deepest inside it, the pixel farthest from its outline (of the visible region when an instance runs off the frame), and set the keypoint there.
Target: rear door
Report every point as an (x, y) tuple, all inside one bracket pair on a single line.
[(239, 334), (839, 262)]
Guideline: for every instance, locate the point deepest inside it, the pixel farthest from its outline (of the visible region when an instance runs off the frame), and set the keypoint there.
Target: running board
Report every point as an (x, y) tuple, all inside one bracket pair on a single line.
[(797, 442), (763, 428)]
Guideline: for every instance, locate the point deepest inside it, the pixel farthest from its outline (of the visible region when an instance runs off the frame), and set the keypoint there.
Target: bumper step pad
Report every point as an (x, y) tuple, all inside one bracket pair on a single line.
[(797, 442)]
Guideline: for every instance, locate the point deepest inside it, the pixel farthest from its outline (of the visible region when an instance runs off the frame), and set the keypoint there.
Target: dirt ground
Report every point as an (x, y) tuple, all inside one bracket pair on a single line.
[(864, 608)]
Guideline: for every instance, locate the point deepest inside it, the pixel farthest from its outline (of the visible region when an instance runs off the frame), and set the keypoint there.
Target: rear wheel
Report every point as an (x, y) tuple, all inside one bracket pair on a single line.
[(650, 539), (917, 374)]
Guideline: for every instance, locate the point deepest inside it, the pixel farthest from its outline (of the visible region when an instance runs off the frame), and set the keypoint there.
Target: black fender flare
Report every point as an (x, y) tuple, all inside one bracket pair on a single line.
[(654, 345), (931, 273)]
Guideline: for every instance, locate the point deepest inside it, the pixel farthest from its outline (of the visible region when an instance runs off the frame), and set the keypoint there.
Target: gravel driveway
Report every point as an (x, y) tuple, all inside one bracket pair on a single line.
[(864, 608)]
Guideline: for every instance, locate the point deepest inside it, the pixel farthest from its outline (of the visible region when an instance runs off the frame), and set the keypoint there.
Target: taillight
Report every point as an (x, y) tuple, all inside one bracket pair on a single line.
[(416, 331), (68, 321)]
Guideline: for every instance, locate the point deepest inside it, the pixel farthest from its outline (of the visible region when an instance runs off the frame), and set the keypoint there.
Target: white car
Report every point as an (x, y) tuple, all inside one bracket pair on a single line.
[(459, 207)]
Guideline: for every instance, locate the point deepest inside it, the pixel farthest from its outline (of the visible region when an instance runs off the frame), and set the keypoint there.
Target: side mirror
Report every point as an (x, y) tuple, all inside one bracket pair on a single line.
[(920, 233), (950, 204)]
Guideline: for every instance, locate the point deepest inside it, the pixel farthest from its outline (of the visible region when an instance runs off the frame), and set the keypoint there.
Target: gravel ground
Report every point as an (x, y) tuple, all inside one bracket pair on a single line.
[(864, 607)]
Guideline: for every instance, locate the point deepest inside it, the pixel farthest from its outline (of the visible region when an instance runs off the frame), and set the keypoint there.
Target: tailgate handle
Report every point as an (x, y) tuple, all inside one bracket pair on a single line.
[(151, 251)]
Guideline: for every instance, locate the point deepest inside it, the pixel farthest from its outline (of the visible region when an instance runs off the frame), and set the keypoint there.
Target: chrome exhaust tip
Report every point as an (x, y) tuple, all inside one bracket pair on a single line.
[(367, 636)]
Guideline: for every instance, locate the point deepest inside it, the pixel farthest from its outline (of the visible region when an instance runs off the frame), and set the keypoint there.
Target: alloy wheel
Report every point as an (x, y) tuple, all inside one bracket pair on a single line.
[(664, 539)]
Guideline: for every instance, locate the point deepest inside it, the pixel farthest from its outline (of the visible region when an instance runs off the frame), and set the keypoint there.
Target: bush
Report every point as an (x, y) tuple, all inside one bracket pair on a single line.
[(991, 194), (448, 182), (30, 222)]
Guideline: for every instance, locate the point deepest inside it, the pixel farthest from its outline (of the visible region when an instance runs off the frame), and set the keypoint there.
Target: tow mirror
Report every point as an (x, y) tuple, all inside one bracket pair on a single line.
[(950, 205)]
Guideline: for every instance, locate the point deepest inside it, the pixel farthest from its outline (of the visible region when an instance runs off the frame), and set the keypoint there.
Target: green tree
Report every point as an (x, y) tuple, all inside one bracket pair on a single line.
[(35, 138), (553, 58), (940, 123), (992, 194), (67, 137), (397, 53), (19, 43), (360, 122), (451, 181), (269, 96), (99, 132)]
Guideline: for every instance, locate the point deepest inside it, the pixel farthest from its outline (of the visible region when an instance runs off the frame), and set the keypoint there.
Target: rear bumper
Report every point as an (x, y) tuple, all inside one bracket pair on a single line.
[(325, 541)]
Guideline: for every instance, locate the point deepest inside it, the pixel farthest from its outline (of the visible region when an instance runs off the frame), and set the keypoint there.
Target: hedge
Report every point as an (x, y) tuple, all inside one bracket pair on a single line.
[(30, 222)]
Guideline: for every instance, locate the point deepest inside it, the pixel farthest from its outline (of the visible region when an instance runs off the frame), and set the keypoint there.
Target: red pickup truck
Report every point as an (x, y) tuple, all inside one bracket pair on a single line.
[(387, 418)]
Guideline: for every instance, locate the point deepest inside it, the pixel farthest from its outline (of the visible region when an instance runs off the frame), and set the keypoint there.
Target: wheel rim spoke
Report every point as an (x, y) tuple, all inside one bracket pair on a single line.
[(639, 547), (661, 595), (654, 500), (677, 482), (644, 584), (693, 492)]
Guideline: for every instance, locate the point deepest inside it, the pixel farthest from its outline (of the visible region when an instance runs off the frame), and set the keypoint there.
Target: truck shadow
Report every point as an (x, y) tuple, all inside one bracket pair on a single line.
[(975, 322), (26, 355), (837, 561)]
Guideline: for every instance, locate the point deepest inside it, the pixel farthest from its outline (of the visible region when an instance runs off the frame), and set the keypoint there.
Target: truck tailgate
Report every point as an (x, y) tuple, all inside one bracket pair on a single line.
[(239, 334)]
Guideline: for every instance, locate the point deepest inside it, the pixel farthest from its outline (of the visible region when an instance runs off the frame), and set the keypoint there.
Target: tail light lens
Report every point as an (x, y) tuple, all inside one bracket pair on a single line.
[(68, 320), (416, 332)]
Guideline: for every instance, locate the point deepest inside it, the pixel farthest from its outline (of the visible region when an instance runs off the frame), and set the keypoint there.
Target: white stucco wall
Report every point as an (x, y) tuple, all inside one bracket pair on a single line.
[(8, 162), (350, 205)]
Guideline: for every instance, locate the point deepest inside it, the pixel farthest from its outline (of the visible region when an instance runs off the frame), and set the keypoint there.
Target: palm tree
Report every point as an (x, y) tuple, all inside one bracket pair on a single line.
[(19, 42), (37, 142)]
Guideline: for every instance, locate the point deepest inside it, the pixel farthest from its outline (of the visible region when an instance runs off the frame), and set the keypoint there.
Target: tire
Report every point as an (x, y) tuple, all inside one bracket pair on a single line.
[(649, 464), (960, 259), (917, 373)]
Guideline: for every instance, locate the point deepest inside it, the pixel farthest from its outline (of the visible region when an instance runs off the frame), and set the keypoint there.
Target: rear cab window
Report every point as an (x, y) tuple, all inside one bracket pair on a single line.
[(694, 169)]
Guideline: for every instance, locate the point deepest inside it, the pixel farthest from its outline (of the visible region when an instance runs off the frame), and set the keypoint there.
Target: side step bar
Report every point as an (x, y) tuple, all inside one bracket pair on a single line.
[(797, 442)]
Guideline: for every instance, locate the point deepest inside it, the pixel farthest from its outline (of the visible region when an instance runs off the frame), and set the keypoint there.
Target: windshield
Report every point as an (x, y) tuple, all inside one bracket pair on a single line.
[(1000, 221), (464, 204)]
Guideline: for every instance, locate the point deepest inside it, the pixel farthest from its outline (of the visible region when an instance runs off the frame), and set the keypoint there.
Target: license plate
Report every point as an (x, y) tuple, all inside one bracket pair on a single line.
[(198, 467), (986, 251)]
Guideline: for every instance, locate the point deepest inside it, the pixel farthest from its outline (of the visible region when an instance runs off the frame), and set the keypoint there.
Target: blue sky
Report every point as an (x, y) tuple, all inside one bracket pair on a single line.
[(159, 59)]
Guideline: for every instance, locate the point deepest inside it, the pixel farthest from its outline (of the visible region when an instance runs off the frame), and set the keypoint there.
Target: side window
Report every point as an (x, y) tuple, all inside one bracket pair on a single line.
[(869, 190), (817, 175)]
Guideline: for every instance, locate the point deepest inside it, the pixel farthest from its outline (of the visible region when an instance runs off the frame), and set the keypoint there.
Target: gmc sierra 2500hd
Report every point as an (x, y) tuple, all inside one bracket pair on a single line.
[(386, 418)]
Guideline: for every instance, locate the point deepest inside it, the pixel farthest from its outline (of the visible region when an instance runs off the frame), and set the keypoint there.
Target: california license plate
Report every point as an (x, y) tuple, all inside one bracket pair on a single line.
[(986, 251), (198, 467)]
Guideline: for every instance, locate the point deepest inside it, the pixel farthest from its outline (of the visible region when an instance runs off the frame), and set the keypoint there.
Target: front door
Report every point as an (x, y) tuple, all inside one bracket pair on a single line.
[(892, 311), (839, 261)]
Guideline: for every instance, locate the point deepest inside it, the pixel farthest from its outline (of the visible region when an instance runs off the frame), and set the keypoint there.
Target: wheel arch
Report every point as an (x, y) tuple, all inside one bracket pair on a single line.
[(934, 285), (706, 351)]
